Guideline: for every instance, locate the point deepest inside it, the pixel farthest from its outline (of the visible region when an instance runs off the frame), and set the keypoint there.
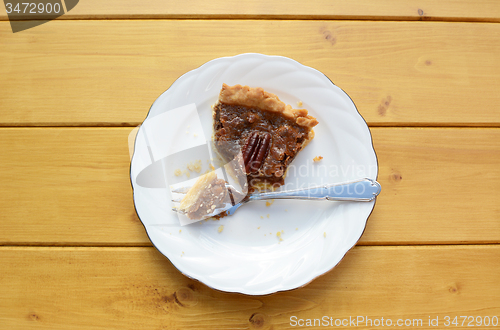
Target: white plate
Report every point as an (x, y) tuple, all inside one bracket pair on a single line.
[(248, 256)]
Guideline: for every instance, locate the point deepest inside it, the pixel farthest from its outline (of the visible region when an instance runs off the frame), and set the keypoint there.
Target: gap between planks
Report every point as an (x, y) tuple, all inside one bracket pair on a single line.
[(360, 18), (387, 247), (29, 245)]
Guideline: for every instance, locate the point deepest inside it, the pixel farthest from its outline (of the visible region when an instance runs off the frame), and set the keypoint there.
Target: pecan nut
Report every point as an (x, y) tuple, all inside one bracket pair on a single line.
[(255, 150)]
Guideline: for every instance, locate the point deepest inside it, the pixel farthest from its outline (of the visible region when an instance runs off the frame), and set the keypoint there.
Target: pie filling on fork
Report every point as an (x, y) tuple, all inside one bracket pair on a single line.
[(259, 136), (207, 194)]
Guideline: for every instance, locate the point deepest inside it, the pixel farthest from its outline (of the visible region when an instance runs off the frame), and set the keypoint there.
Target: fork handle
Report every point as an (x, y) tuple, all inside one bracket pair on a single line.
[(364, 190)]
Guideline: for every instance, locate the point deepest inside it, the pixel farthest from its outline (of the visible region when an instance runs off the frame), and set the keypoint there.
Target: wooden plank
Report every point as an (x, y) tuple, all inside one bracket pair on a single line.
[(71, 186), (453, 10), (131, 288), (438, 185), (110, 72)]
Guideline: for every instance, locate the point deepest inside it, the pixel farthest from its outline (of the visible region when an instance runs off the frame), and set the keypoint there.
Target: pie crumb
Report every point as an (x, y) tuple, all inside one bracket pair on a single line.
[(258, 227), (299, 103), (278, 234), (317, 158), (269, 203), (180, 230), (324, 234), (267, 215), (178, 172), (220, 229), (262, 217), (195, 167)]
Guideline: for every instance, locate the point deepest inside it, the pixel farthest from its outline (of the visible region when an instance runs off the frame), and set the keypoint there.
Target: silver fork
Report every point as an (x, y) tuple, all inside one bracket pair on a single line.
[(364, 190)]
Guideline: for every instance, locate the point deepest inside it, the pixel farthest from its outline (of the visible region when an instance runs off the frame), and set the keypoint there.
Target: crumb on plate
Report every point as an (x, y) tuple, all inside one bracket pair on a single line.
[(195, 166), (317, 158), (220, 229)]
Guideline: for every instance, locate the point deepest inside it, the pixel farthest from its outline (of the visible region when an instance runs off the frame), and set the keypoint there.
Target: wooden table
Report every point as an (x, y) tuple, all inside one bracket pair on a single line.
[(425, 75)]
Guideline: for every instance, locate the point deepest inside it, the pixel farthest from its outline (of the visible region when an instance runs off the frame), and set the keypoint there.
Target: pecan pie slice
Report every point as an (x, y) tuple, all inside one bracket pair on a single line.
[(267, 134)]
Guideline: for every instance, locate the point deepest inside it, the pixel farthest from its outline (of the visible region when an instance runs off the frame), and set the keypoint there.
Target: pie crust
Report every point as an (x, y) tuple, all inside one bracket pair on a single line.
[(260, 99)]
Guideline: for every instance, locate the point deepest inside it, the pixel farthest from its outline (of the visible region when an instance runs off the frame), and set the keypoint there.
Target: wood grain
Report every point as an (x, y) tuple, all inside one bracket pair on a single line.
[(452, 10), (438, 185), (70, 186), (131, 288), (96, 73)]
